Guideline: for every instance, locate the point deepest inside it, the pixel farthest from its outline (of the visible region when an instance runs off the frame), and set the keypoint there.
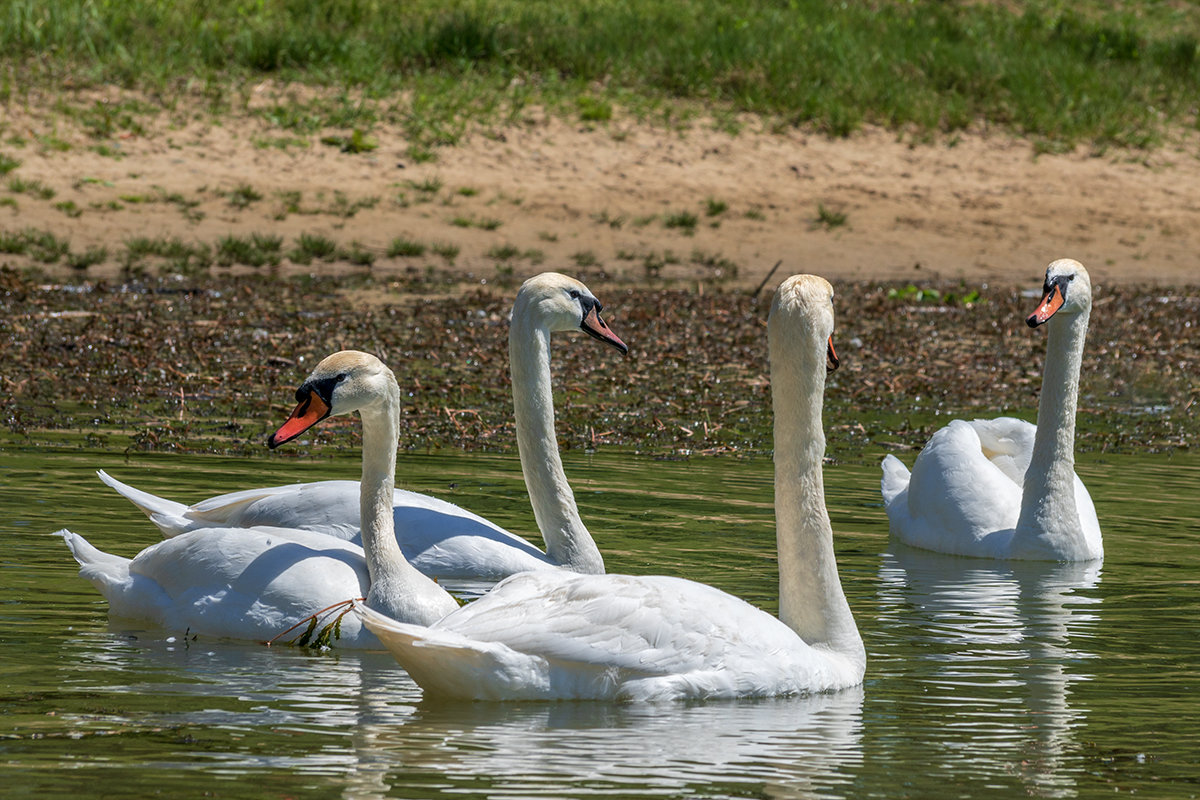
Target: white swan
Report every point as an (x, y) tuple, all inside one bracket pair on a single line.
[(439, 538), (561, 635), (1004, 488), (255, 583)]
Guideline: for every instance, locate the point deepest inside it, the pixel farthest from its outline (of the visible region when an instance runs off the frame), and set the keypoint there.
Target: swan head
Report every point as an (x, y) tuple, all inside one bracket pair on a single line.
[(342, 383), (1068, 290), (802, 312), (560, 303)]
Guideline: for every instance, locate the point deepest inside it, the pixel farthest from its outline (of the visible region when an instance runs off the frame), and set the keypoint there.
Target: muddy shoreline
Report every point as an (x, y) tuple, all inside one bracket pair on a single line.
[(208, 365)]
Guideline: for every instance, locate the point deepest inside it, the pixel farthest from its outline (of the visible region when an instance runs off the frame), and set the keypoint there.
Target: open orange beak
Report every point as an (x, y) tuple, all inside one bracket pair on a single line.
[(1051, 302), (597, 328), (831, 357), (311, 410)]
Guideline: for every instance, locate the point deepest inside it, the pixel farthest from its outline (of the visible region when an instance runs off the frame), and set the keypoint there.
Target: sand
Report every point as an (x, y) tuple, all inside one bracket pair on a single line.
[(975, 207)]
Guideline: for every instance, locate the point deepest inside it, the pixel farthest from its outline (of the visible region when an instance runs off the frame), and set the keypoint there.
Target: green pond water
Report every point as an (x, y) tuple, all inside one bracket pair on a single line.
[(984, 679)]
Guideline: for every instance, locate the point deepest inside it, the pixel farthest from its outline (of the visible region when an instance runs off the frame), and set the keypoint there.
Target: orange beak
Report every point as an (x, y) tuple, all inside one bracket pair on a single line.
[(311, 410), (597, 328), (1051, 302), (831, 356)]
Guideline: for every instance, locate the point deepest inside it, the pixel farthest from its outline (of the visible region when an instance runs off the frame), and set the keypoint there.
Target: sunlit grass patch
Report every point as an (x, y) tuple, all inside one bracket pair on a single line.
[(312, 246), (31, 187), (405, 247), (175, 254), (830, 218), (69, 207), (1108, 74), (42, 246), (255, 250), (243, 195), (447, 250), (685, 221)]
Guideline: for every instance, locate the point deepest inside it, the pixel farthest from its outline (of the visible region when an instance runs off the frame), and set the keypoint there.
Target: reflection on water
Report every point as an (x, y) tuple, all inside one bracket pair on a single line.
[(373, 731), (983, 678), (996, 646), (798, 746)]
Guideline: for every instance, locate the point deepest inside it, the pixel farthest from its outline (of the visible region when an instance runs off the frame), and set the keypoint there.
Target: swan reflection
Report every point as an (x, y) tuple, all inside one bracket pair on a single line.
[(359, 720), (791, 747), (996, 648)]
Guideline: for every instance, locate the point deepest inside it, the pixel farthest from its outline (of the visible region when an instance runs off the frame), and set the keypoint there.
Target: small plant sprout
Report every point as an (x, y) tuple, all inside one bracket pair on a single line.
[(829, 217)]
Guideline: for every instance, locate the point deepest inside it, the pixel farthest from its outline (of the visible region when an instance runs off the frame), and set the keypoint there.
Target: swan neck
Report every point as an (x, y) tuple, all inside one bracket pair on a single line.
[(385, 561), (811, 600), (1049, 517), (568, 541)]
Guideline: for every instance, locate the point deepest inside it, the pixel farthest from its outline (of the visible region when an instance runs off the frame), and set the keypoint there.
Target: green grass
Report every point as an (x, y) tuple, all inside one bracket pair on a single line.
[(358, 255), (585, 258), (403, 247), (504, 252), (446, 250), (243, 195), (41, 246), (343, 206), (684, 220), (69, 207), (355, 142), (1107, 73), (429, 186), (88, 258), (313, 246), (483, 223), (178, 255), (830, 218), (30, 187), (256, 250), (8, 164)]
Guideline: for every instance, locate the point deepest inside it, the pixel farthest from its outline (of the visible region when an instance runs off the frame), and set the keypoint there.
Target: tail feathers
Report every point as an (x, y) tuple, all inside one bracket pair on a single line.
[(168, 515), (446, 664), (97, 566), (895, 479)]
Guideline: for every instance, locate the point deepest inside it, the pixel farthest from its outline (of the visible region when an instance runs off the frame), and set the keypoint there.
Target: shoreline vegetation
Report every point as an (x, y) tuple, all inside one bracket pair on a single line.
[(208, 366), (1105, 74)]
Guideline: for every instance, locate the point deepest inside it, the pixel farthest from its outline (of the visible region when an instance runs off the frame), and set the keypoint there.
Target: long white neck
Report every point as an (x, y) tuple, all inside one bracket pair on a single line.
[(397, 588), (568, 541), (1049, 519), (811, 601)]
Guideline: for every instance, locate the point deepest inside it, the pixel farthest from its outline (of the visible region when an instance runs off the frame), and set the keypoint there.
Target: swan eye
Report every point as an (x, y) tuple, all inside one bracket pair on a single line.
[(574, 294)]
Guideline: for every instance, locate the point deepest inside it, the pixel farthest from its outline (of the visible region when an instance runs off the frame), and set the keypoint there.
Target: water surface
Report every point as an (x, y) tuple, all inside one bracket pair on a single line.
[(984, 679)]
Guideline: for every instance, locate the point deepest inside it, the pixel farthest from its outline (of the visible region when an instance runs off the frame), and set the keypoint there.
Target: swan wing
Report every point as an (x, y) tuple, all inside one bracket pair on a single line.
[(958, 500), (441, 539), (231, 583), (561, 635), (1008, 443)]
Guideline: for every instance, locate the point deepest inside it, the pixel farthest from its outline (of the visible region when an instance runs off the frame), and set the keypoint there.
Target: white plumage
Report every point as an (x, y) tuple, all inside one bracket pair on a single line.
[(560, 635), (255, 583), (1005, 488)]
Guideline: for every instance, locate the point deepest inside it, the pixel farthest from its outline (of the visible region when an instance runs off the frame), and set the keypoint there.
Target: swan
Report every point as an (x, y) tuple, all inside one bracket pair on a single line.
[(560, 635), (255, 583), (441, 539), (1004, 488)]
